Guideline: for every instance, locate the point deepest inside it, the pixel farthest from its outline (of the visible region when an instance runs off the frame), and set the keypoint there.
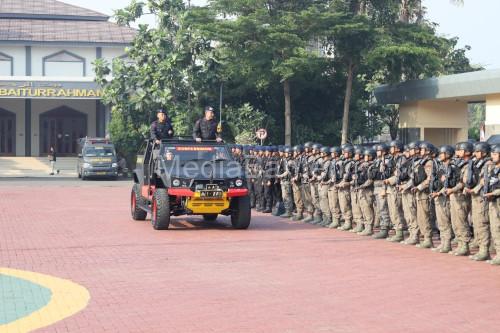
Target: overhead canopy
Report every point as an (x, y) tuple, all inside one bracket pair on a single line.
[(473, 85)]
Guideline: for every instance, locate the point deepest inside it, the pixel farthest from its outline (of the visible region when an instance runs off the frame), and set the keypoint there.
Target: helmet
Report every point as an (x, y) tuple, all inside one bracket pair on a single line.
[(281, 148), (308, 145), (495, 149), (358, 150), (465, 146), (324, 150), (427, 146), (482, 147), (268, 148), (447, 149), (370, 152), (287, 150), (348, 149), (342, 146), (316, 146), (396, 143), (383, 147), (405, 148), (298, 148), (336, 150), (414, 145)]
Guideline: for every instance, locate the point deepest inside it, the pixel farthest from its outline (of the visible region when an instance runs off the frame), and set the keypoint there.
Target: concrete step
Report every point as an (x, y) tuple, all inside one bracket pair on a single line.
[(36, 166)]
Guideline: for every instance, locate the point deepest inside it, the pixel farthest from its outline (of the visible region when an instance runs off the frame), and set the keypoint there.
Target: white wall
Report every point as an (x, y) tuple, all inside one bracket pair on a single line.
[(16, 106), (39, 52), (40, 106), (19, 55)]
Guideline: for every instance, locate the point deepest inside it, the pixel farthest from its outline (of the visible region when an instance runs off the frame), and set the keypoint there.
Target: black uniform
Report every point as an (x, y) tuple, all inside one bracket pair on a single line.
[(160, 131), (205, 129)]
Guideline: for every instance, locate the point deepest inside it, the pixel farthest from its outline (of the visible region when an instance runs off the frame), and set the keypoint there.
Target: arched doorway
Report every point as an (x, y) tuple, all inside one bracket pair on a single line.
[(7, 133), (61, 128)]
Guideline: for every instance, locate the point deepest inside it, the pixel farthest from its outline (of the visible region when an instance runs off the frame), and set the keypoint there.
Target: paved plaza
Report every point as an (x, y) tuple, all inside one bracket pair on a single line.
[(277, 276)]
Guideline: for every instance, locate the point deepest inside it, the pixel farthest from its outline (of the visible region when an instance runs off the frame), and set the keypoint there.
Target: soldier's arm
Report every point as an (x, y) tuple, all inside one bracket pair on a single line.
[(407, 186), (197, 130), (392, 180), (460, 185), (366, 184), (152, 132), (477, 189), (428, 171)]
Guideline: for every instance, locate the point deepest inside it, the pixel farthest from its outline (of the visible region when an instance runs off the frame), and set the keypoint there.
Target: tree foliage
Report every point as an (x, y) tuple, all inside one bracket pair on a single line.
[(302, 68)]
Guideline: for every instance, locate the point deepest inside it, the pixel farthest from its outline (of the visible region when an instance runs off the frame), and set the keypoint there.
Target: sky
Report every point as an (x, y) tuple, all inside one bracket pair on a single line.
[(472, 22)]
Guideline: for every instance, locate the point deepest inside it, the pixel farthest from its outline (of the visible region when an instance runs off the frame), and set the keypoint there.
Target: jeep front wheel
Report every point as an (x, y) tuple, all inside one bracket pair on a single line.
[(240, 212), (160, 210), (136, 201)]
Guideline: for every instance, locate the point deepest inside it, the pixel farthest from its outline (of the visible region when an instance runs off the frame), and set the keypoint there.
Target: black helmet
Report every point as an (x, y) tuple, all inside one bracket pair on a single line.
[(281, 148), (406, 148), (482, 147), (358, 150), (324, 150), (336, 150), (348, 149), (427, 146), (465, 146), (495, 149), (287, 150), (447, 149), (298, 148), (383, 147), (370, 152), (396, 143), (414, 145), (308, 145), (316, 146)]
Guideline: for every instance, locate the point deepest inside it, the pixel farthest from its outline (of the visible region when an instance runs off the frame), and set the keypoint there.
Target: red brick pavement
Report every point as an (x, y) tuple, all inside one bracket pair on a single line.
[(278, 276)]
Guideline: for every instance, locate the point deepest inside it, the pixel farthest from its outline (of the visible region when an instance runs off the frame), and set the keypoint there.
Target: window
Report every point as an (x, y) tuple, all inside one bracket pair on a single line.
[(6, 65), (64, 63)]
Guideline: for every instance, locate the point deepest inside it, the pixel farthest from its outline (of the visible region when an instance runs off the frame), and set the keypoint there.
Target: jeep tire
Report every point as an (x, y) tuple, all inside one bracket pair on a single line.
[(240, 212), (160, 210), (136, 201)]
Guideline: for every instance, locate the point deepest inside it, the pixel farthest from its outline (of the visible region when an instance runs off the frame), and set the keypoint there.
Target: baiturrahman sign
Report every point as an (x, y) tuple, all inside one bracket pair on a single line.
[(49, 90)]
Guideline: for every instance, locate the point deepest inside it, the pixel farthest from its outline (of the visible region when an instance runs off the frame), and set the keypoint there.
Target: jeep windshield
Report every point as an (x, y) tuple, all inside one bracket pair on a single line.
[(189, 153), (99, 151)]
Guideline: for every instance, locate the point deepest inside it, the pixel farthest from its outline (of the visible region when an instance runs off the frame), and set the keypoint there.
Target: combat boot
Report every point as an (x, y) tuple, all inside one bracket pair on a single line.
[(426, 244), (368, 230), (347, 226), (359, 228), (462, 250), (412, 240), (297, 217), (308, 219), (495, 261), (383, 233), (397, 238), (286, 215), (335, 223), (267, 211), (482, 255), (326, 221), (317, 220)]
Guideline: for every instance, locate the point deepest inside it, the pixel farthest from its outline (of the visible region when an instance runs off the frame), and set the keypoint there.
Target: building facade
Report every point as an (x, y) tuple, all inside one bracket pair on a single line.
[(48, 96), (436, 109)]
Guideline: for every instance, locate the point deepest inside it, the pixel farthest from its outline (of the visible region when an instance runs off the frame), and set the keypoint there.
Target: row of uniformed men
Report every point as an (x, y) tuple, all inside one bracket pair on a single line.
[(354, 188)]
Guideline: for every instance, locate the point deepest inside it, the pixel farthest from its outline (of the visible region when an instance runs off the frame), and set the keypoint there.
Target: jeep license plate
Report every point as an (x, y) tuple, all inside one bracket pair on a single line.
[(211, 194), (212, 187)]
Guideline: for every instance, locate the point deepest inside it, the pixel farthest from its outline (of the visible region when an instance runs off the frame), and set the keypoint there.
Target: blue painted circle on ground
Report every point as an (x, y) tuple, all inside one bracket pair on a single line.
[(20, 298)]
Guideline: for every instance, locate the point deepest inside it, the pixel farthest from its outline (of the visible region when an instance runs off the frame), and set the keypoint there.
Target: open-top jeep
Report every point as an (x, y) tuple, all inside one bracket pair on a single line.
[(183, 177)]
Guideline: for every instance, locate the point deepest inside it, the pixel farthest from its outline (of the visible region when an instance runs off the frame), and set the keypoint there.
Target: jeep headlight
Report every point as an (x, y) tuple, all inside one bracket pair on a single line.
[(176, 182), (238, 183), (87, 165), (114, 165)]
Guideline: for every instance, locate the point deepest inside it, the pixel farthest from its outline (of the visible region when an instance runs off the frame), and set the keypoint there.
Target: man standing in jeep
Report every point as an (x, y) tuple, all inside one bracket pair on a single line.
[(206, 127), (162, 127)]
